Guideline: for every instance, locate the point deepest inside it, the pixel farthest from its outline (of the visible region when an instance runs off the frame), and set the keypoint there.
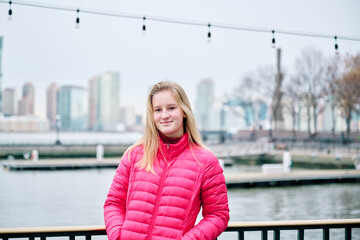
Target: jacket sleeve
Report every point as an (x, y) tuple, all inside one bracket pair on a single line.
[(115, 203), (214, 200)]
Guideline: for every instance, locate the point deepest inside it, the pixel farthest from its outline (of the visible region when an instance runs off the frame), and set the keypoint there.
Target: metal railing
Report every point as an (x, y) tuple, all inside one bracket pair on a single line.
[(299, 226), (239, 227)]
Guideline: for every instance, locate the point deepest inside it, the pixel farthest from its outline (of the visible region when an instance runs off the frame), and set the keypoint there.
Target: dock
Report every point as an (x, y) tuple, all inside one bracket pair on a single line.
[(60, 164), (233, 180), (293, 178)]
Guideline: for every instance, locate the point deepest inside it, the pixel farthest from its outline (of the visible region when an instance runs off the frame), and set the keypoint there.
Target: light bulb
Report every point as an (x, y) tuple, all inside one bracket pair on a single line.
[(209, 34), (144, 27), (336, 46), (273, 39), (77, 24), (10, 14), (10, 11)]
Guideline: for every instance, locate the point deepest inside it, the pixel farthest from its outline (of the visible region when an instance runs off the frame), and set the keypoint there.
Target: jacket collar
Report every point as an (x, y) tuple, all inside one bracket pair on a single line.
[(171, 151)]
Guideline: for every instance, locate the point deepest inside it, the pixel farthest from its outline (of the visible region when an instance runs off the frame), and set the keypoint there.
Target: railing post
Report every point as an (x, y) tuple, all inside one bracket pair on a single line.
[(300, 234), (348, 233), (241, 235), (264, 235), (326, 234), (276, 234)]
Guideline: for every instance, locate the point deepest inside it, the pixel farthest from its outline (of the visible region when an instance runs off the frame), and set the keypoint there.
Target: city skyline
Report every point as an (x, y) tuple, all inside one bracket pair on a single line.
[(86, 109), (55, 51)]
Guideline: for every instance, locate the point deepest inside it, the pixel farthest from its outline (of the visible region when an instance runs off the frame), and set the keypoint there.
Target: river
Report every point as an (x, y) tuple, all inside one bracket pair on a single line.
[(70, 198)]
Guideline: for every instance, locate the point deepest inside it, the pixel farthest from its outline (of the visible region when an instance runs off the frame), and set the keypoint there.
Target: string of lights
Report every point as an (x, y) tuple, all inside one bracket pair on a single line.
[(176, 21)]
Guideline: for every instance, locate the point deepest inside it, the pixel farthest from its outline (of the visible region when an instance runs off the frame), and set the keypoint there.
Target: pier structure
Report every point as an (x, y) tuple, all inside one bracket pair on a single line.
[(259, 152), (233, 180), (225, 150)]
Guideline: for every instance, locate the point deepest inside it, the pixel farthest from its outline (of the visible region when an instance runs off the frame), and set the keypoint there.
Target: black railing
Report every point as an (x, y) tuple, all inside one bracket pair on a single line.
[(240, 227), (299, 226)]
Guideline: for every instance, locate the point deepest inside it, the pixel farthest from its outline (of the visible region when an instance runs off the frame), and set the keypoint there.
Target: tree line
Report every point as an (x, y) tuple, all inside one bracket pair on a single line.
[(315, 81)]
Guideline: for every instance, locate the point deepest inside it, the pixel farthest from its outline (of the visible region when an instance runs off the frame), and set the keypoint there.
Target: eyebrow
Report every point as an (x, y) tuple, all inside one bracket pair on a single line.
[(168, 105)]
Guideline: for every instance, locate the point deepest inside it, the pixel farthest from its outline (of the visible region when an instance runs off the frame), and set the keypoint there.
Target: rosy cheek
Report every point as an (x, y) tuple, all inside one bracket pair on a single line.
[(156, 116)]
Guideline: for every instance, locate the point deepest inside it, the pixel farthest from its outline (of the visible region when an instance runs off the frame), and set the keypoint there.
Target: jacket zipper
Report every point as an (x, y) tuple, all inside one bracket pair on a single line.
[(158, 199)]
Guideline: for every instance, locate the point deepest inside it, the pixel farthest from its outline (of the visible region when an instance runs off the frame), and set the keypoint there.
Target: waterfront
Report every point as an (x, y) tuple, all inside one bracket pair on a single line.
[(75, 198), (69, 138)]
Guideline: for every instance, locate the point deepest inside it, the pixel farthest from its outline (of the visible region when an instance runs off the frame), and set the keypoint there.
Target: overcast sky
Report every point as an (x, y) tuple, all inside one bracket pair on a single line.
[(43, 46)]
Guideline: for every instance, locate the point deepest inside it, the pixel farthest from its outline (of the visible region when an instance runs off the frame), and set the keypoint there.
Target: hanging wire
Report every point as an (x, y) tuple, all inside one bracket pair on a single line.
[(10, 11), (177, 21)]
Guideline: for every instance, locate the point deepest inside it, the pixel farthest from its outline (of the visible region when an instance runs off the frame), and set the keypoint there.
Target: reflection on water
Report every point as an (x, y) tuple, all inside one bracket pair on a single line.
[(297, 203), (300, 202), (68, 198)]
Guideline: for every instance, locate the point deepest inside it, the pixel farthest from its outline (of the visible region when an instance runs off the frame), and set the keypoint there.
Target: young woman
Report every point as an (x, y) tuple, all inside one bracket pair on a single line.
[(163, 180)]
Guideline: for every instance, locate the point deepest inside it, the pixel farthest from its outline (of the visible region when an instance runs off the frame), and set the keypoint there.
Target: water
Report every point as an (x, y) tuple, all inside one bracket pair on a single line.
[(75, 198)]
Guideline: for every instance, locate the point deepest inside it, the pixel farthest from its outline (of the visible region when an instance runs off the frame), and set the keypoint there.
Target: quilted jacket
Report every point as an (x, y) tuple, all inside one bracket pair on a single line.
[(141, 205)]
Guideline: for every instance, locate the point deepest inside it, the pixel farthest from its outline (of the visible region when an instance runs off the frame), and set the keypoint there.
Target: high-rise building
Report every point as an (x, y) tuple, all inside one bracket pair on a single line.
[(1, 40), (104, 101), (51, 104), (204, 103), (93, 99), (9, 103), (26, 105), (72, 107), (127, 116)]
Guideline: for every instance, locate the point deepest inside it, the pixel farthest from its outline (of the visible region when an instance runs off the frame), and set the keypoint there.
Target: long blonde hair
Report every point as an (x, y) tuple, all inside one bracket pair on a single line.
[(150, 141)]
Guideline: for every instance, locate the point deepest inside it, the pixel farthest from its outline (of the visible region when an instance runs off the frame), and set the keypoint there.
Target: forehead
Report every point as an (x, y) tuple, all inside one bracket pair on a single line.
[(164, 97)]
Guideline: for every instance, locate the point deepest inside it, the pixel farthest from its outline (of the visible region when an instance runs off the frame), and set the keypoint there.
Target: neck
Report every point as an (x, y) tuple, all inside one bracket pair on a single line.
[(169, 140)]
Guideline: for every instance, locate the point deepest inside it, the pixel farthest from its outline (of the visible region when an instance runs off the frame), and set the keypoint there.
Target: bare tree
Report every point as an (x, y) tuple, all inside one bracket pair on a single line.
[(294, 97), (244, 98), (332, 74), (264, 79), (255, 88), (310, 69), (347, 89)]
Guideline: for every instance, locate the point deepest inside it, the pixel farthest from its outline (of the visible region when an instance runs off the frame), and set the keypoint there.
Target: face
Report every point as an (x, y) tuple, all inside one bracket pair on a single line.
[(168, 116)]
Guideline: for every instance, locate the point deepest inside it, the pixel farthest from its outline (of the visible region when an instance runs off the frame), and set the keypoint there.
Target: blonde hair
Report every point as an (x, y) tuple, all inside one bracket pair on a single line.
[(150, 141)]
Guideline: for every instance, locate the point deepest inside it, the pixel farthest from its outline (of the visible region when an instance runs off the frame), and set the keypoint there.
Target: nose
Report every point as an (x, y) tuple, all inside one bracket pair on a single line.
[(165, 114)]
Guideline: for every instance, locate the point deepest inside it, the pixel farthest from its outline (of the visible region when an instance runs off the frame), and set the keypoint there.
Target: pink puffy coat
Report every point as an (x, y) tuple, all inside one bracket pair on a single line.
[(141, 205)]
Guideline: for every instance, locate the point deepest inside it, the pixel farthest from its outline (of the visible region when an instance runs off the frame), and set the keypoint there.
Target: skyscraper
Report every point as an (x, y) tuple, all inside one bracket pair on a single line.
[(26, 105), (93, 99), (51, 103), (9, 103), (72, 107), (104, 101), (204, 103)]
